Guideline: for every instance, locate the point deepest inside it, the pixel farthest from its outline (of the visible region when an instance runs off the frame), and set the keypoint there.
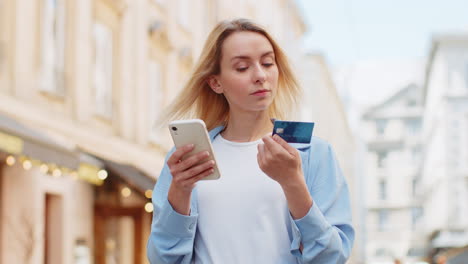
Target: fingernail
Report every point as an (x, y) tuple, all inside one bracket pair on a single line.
[(207, 153), (191, 145)]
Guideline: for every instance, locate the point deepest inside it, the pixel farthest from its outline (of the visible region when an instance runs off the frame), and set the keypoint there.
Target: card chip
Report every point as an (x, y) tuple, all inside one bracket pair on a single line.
[(279, 130)]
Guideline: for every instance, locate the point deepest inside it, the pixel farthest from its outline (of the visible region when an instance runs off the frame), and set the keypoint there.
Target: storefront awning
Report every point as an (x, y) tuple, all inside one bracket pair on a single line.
[(18, 139), (460, 257), (27, 143), (132, 176), (450, 239)]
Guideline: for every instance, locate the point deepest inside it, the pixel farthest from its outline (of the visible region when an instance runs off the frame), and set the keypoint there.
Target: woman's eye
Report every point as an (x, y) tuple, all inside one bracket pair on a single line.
[(267, 64), (242, 69)]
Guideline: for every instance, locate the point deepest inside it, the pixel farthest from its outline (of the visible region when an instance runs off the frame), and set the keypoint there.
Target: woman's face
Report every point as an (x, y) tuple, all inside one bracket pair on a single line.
[(249, 74)]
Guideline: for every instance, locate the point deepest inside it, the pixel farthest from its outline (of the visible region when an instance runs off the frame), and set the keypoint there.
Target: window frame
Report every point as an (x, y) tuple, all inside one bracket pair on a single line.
[(104, 108), (52, 52), (383, 216)]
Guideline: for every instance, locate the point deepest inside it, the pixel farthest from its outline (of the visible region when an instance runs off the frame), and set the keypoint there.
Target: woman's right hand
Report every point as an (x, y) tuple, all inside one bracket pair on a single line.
[(185, 174)]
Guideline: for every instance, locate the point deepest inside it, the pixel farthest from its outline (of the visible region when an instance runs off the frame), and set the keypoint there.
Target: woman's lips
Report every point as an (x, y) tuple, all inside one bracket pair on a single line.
[(261, 92)]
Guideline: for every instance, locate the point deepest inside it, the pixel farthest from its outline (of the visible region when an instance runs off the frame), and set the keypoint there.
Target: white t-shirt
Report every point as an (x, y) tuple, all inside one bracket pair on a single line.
[(243, 216)]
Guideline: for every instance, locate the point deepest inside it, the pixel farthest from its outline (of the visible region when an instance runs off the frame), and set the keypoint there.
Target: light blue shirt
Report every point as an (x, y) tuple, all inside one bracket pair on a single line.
[(325, 232)]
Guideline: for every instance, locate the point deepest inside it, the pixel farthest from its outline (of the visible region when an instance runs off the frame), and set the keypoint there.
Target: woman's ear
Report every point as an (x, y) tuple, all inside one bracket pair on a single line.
[(215, 85)]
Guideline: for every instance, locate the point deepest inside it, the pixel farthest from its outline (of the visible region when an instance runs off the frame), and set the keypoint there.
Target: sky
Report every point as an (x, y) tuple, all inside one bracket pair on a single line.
[(374, 48), (348, 31)]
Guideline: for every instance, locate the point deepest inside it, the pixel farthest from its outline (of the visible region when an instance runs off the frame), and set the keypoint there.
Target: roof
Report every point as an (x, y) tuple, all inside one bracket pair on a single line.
[(437, 40), (368, 114)]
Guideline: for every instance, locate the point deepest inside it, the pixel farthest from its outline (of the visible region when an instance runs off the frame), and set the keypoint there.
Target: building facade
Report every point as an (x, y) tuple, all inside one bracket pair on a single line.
[(393, 132), (87, 79), (444, 173)]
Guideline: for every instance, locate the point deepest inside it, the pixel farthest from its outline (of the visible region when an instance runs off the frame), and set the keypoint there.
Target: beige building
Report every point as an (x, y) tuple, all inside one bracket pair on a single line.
[(81, 83)]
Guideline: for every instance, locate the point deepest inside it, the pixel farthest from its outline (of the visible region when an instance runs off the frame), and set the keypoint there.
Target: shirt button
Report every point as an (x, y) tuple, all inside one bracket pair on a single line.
[(191, 226)]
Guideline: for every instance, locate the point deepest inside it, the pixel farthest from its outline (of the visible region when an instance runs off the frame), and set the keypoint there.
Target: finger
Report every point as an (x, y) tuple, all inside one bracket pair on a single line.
[(273, 147), (194, 171), (179, 153), (268, 153), (291, 150), (192, 160), (200, 176)]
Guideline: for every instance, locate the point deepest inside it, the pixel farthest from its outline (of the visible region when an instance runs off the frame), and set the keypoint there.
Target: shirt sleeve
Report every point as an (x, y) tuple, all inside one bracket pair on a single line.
[(172, 234), (325, 232)]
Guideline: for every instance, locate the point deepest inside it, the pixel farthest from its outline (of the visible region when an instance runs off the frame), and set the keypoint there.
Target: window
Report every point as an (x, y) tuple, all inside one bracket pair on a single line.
[(466, 76), (155, 95), (381, 124), (184, 13), (103, 69), (454, 143), (416, 214), (53, 46), (383, 219), (411, 102), (414, 186), (413, 126), (381, 159), (416, 155), (2, 37), (383, 252), (382, 190), (465, 133)]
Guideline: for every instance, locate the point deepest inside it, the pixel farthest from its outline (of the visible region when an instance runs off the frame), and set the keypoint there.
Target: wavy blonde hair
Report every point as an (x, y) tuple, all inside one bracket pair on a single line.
[(198, 100)]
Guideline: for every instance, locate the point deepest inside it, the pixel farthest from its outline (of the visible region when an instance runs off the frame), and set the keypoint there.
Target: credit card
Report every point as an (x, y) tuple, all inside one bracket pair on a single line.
[(294, 132)]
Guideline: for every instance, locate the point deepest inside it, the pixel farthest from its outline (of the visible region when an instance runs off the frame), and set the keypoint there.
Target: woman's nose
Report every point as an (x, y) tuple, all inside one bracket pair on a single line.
[(259, 74)]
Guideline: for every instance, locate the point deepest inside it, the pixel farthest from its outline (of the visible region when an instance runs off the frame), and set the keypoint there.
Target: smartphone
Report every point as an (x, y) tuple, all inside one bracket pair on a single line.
[(193, 131), (294, 132)]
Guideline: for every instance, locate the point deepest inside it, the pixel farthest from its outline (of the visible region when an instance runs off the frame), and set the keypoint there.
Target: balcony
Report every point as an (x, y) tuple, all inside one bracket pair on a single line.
[(385, 144)]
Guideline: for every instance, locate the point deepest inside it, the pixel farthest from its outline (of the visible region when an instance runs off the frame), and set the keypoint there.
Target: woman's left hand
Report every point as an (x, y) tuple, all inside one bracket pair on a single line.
[(280, 161)]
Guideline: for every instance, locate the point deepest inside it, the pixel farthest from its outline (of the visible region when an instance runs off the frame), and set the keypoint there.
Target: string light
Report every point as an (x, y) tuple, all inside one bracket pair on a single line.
[(56, 173), (102, 174), (148, 194), (27, 165), (126, 192), (149, 207), (44, 168), (10, 160)]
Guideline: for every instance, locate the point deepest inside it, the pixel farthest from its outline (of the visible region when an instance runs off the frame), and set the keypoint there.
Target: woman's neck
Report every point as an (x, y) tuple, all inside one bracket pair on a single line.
[(247, 127)]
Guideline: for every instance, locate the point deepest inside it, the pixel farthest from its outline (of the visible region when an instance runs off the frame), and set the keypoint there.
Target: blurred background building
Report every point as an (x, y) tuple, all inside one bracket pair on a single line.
[(417, 164), (81, 83), (444, 171), (393, 132)]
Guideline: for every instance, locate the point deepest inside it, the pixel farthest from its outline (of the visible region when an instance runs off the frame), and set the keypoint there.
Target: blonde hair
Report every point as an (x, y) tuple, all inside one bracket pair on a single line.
[(198, 100)]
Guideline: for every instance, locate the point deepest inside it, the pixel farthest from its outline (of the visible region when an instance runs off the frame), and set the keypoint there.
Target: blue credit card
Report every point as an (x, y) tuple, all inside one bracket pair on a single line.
[(294, 132)]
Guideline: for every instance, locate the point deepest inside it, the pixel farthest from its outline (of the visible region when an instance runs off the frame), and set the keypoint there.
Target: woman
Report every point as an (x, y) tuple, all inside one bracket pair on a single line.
[(273, 202)]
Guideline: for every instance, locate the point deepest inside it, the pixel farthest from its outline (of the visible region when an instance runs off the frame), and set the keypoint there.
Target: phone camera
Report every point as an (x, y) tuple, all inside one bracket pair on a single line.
[(174, 128)]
